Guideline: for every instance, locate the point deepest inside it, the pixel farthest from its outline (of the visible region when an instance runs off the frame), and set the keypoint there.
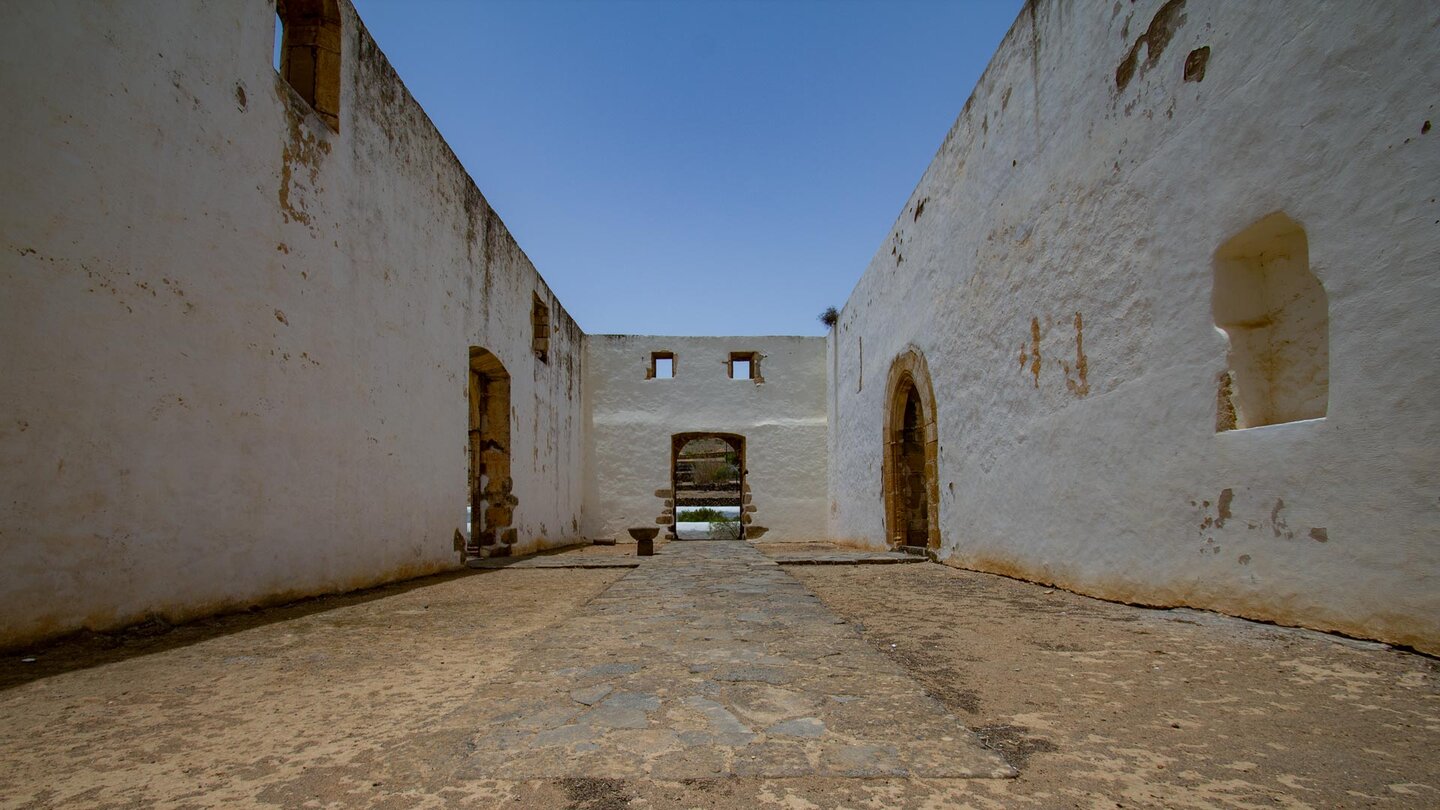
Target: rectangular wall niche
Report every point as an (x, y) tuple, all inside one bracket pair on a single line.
[(745, 366), (1275, 314), (540, 329), (662, 366)]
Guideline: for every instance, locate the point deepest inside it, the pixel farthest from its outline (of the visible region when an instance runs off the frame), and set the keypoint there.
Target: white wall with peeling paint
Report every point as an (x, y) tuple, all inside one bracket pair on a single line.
[(1089, 212), (633, 418), (234, 341)]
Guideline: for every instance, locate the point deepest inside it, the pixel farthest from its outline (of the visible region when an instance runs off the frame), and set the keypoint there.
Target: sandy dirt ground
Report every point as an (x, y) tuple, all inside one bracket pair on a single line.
[(1103, 705), (362, 700)]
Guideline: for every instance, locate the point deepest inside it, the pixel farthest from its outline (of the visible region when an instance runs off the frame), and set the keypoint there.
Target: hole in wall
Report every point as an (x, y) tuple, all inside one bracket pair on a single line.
[(662, 366), (279, 42), (744, 366)]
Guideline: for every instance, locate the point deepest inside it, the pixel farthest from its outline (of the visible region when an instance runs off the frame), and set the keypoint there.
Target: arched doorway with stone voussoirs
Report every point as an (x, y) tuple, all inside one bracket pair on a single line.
[(910, 468), (707, 473)]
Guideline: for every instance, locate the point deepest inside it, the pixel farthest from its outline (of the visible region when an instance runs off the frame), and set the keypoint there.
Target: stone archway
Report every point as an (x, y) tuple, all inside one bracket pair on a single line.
[(910, 467), (691, 487)]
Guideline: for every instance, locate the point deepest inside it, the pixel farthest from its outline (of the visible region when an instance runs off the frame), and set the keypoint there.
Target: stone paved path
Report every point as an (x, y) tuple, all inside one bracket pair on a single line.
[(555, 561), (709, 660)]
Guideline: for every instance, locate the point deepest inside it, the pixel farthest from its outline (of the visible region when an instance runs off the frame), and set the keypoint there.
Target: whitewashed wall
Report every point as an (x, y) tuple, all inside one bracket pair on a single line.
[(233, 344), (633, 418), (1064, 200)]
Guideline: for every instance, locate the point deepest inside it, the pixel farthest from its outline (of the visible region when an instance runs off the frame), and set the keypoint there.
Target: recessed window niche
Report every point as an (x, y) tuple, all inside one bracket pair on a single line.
[(1275, 315)]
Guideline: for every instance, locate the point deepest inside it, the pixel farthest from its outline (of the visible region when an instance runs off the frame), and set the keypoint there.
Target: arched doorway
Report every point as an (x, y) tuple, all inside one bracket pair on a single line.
[(912, 492), (707, 472), (492, 503)]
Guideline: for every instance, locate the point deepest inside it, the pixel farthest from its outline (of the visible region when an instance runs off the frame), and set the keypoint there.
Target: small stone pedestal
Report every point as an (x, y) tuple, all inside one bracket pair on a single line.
[(644, 540)]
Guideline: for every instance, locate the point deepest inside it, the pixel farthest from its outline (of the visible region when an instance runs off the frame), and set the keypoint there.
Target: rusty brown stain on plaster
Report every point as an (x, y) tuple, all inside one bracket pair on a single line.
[(920, 209), (280, 316), (1035, 361), (301, 156), (1195, 63), (1222, 507), (1244, 559), (1156, 37), (1079, 387), (240, 96), (1277, 520), (1425, 128), (1225, 418), (1320, 535)]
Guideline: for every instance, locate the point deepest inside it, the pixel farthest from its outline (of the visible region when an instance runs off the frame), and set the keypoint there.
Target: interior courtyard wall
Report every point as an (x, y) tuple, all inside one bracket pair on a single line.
[(633, 418), (235, 341), (1055, 267)]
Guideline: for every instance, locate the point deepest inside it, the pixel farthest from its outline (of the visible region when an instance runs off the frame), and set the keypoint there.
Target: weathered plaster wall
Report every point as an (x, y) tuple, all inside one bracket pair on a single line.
[(234, 341), (633, 419), (1055, 264)]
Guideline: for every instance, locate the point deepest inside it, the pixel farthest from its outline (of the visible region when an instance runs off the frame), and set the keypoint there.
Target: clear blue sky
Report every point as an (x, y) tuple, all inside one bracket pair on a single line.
[(693, 167)]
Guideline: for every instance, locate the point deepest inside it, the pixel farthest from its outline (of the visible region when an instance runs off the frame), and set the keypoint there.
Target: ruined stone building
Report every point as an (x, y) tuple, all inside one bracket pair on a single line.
[(1158, 324)]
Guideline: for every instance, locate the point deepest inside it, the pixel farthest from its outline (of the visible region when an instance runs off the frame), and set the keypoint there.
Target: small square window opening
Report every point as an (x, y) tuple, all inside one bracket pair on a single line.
[(662, 366), (745, 366)]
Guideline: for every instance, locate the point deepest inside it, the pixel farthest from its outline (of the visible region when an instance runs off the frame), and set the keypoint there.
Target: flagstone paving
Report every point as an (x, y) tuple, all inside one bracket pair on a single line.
[(708, 660), (846, 558), (382, 698)]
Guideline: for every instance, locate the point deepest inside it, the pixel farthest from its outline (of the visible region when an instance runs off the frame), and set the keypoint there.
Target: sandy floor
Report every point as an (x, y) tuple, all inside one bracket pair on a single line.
[(351, 702), (1105, 705)]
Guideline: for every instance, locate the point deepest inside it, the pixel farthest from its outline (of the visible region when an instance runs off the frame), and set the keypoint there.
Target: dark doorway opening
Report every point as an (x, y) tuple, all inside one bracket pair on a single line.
[(909, 475), (492, 502), (707, 471), (914, 514)]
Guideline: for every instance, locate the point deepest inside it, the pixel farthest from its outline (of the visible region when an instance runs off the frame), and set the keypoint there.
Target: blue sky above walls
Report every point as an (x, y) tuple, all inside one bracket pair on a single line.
[(694, 167)]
